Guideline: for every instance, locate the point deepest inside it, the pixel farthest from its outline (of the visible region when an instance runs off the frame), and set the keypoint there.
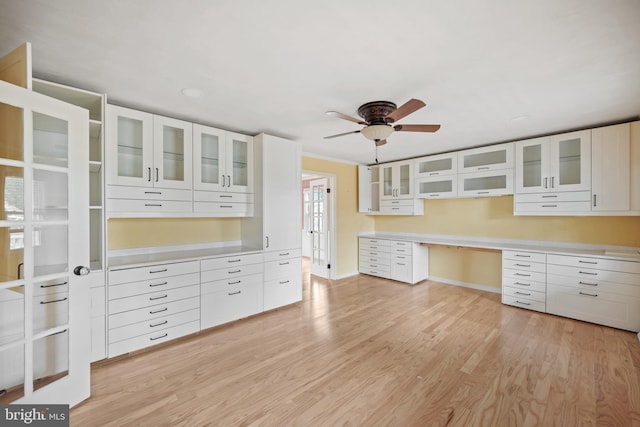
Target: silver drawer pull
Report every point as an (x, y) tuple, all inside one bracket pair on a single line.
[(234, 260), (226, 206), (586, 272), (157, 271), (153, 285), (589, 295), (549, 206), (234, 283), (482, 192), (234, 293), (51, 286), (483, 168), (159, 324), (55, 300), (153, 192), (550, 196), (284, 254), (588, 262), (157, 298), (285, 282), (284, 263), (523, 265), (159, 311), (234, 271), (374, 259), (225, 196), (521, 274), (399, 263), (587, 283), (373, 265), (522, 302), (157, 338), (522, 293), (523, 256), (153, 205), (522, 284)]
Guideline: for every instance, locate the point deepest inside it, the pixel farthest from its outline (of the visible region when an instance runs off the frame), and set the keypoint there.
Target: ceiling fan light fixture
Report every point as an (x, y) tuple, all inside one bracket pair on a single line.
[(377, 132)]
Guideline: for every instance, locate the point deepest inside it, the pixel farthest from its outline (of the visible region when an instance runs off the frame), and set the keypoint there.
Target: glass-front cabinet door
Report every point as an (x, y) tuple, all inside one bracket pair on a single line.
[(386, 189), (208, 158), (532, 165), (172, 157), (239, 163), (129, 149), (44, 249), (397, 180), (570, 161)]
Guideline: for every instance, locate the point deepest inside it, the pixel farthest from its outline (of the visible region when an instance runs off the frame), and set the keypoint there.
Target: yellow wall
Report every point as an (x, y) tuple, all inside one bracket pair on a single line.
[(348, 221), (493, 217), (124, 233)]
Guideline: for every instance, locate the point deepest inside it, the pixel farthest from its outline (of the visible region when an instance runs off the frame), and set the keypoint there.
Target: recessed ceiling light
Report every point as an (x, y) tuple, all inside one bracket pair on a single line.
[(192, 92)]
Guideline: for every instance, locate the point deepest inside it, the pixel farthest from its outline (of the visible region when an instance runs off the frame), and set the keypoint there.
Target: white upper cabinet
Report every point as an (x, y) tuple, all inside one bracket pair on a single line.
[(438, 165), (222, 161), (368, 189), (493, 157), (554, 164), (397, 180), (144, 150), (610, 168)]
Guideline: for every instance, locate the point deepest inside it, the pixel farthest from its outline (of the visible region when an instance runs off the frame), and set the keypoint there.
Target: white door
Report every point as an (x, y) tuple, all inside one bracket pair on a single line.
[(319, 227), (44, 224)]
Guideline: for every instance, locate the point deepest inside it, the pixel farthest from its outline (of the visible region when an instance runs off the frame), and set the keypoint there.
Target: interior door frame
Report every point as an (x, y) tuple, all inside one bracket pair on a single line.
[(331, 197)]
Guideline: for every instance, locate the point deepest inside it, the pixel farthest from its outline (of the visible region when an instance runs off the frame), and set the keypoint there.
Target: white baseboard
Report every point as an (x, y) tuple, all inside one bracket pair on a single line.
[(466, 285), (345, 275)]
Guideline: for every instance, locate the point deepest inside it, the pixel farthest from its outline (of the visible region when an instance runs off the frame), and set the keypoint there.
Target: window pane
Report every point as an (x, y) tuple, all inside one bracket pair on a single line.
[(11, 180)]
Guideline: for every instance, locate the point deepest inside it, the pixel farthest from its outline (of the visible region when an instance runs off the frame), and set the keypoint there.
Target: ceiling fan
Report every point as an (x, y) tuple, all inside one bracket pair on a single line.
[(377, 117)]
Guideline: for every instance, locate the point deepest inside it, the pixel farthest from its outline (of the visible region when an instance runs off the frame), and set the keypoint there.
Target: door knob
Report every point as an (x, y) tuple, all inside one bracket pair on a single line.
[(81, 270)]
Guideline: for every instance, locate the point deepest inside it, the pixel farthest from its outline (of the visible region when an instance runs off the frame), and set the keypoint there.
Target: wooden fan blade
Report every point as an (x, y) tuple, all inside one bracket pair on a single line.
[(404, 110), (341, 134), (345, 117), (381, 142), (416, 128)]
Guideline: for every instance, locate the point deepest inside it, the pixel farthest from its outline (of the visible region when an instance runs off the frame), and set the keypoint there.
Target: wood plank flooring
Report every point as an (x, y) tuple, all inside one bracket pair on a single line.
[(371, 352)]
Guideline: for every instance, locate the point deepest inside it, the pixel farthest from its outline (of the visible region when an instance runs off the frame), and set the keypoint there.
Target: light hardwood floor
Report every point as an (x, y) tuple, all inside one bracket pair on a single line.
[(367, 351)]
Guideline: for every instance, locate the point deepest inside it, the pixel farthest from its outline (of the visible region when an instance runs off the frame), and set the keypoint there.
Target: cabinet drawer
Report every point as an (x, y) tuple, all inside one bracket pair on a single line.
[(384, 259), (595, 263), (222, 197), (143, 341), (592, 275), (124, 275), (618, 311), (231, 272), (592, 284), (525, 256), (563, 196), (375, 247), (230, 261), (153, 312), (399, 247), (142, 193), (282, 292), (524, 284), (154, 325), (524, 303), (518, 292), (375, 270), (283, 268), (376, 243), (533, 276), (224, 208), (125, 290), (524, 265), (552, 207), (148, 300), (278, 255), (228, 305), (231, 283), (148, 206)]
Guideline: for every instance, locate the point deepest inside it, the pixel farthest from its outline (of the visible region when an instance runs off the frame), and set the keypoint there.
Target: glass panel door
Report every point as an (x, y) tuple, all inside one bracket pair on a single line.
[(387, 182), (172, 156), (570, 157), (320, 231), (44, 224), (240, 163), (405, 184), (209, 157)]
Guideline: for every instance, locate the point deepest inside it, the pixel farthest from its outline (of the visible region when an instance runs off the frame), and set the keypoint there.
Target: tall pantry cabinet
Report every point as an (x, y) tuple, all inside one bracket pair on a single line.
[(276, 226)]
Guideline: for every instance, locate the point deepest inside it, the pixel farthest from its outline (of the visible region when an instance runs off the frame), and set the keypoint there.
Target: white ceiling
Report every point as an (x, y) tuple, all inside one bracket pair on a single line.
[(489, 71)]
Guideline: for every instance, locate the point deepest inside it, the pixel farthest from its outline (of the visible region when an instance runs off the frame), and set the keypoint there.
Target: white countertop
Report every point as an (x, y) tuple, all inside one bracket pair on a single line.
[(608, 251)]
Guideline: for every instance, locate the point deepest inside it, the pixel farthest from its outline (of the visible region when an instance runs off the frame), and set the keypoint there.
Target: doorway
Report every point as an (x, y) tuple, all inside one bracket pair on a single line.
[(318, 234)]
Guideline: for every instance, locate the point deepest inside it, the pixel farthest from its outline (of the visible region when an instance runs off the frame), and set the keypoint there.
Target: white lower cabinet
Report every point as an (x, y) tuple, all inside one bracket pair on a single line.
[(231, 288), (152, 304), (399, 260), (282, 278), (523, 279), (598, 290)]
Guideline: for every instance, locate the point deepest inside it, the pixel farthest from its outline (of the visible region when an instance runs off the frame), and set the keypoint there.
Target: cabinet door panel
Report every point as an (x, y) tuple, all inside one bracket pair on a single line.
[(172, 153), (570, 161), (610, 168)]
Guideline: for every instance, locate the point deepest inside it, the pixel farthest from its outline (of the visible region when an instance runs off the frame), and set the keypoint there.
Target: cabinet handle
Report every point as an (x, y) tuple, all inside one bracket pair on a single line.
[(284, 283), (225, 196), (482, 192), (156, 298), (157, 338), (588, 262), (481, 168), (149, 170), (157, 205), (229, 181), (224, 181), (435, 195), (234, 260), (157, 271), (549, 206), (159, 324), (159, 311), (523, 265), (267, 239), (157, 174), (594, 201), (588, 295), (553, 179), (522, 293), (233, 293), (400, 263), (226, 206), (153, 192), (55, 300), (234, 271), (545, 182), (284, 254), (550, 196), (523, 275), (153, 285), (523, 256), (284, 263), (522, 302), (434, 173), (55, 284), (234, 283), (587, 283), (586, 272), (522, 284)]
